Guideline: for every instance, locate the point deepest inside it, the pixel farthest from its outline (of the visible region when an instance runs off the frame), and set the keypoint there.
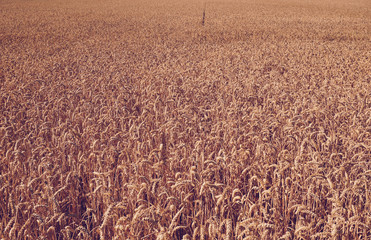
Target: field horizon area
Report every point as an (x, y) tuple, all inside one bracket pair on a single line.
[(135, 120)]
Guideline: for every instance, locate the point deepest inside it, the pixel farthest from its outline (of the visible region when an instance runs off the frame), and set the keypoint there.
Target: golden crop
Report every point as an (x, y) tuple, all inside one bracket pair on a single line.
[(131, 120)]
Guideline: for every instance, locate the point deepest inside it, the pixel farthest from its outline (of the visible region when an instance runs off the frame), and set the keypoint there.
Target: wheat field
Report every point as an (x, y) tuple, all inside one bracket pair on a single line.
[(133, 120)]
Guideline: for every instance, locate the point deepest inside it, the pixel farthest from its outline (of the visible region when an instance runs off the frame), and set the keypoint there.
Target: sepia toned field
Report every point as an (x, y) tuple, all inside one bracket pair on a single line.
[(131, 120)]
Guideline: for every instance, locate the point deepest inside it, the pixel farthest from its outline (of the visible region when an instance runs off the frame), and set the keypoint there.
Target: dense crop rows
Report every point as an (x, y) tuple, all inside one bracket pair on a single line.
[(131, 120)]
